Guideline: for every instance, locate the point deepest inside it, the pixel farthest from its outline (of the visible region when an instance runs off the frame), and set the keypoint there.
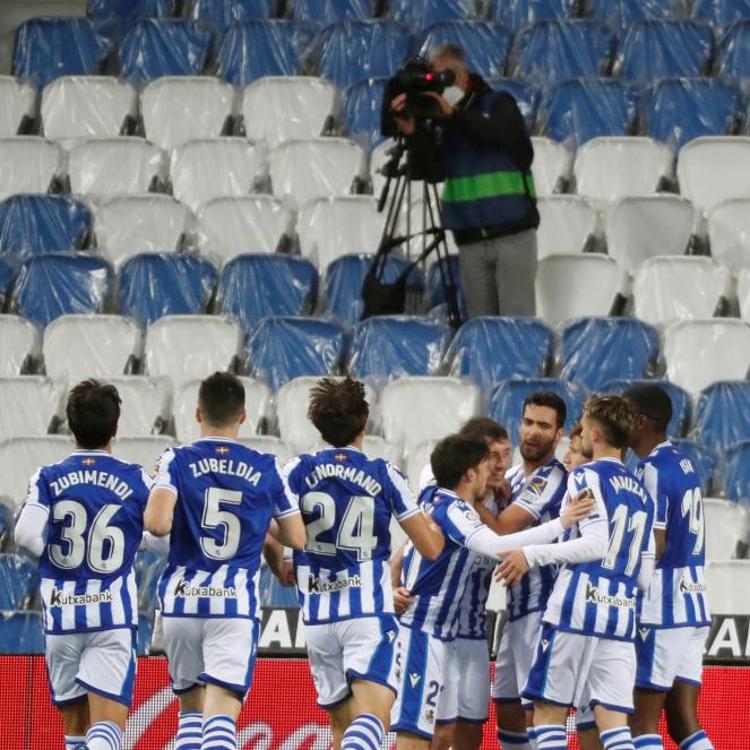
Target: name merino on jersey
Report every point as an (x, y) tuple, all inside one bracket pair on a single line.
[(677, 594), (94, 504)]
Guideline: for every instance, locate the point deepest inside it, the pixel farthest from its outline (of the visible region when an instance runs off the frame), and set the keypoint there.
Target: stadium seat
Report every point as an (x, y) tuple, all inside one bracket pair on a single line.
[(680, 109), (252, 287), (567, 224), (664, 49), (144, 451), (7, 274), (722, 415), (177, 109), (737, 473), (733, 51), (329, 228), (424, 13), (254, 49), (678, 288), (219, 14), (268, 444), (131, 224), (743, 293), (153, 48), (727, 597), (526, 95), (113, 18), (283, 348), (28, 164), (349, 51), (681, 403), (56, 284), (506, 401), (415, 409), (315, 168), (486, 45), (228, 227), (490, 349), (324, 12), (19, 344), (21, 455), (362, 104), (374, 446), (213, 168), (187, 429), (283, 108), (439, 274), (148, 568), (551, 166), (515, 14), (606, 169), (115, 166), (145, 405), (21, 633), (641, 228), (77, 347), (713, 169), (47, 48), (392, 346), (723, 524), (721, 13), (19, 581), (576, 286), (704, 460), (88, 107), (621, 14), (416, 461), (598, 350), (41, 399), (272, 593), (720, 345), (177, 347), (729, 233), (576, 111), (553, 51), (17, 103)]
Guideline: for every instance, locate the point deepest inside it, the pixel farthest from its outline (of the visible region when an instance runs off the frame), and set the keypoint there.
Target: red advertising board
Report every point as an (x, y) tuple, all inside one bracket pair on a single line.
[(281, 713)]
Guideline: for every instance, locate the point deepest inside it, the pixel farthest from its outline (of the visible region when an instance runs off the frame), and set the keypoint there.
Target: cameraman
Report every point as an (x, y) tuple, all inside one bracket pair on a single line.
[(488, 202)]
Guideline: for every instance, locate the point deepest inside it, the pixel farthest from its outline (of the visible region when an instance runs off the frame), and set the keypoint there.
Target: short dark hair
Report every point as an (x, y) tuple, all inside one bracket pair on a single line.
[(615, 417), (453, 456), (550, 400), (484, 428), (651, 401), (93, 410), (338, 409), (221, 398)]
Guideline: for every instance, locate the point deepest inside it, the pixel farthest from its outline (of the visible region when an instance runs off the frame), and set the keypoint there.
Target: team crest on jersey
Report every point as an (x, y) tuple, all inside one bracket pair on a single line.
[(429, 715), (537, 485)]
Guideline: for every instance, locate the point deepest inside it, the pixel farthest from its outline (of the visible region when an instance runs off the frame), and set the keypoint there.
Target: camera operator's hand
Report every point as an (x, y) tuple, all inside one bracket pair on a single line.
[(404, 121), (446, 109)]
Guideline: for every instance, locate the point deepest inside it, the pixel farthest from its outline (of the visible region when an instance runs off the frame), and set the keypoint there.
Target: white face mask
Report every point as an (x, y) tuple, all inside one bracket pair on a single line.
[(453, 95)]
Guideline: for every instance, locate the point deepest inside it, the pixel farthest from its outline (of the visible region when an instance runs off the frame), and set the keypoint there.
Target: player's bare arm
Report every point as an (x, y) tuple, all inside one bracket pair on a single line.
[(159, 511), (513, 518), (273, 553), (291, 531)]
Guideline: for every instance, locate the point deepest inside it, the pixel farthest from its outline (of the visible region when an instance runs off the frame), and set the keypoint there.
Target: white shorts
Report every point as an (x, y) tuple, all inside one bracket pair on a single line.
[(571, 669), (585, 718), (666, 655), (359, 648), (102, 662), (466, 695), (421, 662), (216, 650), (515, 655)]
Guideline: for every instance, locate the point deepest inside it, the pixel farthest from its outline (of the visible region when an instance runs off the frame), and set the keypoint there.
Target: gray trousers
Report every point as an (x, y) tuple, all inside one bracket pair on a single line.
[(498, 275)]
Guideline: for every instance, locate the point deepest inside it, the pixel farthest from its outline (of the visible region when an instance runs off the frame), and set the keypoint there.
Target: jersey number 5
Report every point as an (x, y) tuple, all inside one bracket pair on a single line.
[(216, 518)]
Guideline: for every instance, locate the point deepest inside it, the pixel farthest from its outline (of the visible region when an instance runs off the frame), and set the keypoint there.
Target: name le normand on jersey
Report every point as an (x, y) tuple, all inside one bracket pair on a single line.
[(347, 473)]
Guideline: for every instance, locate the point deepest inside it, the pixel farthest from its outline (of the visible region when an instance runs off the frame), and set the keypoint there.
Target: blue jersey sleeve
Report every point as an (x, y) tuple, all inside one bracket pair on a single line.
[(166, 471), (459, 522), (400, 497), (38, 492), (659, 492), (286, 500), (582, 483), (541, 492)]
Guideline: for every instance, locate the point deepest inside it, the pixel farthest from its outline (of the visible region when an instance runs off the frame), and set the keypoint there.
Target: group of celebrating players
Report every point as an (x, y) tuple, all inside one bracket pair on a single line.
[(606, 604)]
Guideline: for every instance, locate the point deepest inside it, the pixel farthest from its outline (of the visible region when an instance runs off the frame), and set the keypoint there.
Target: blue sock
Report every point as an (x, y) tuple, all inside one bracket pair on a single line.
[(513, 740), (697, 741), (74, 743), (551, 737), (364, 733), (617, 739), (189, 731), (104, 735), (219, 733), (648, 742)]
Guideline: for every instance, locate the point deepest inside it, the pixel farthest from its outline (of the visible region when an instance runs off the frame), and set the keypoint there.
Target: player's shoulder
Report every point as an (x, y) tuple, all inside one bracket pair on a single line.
[(552, 473)]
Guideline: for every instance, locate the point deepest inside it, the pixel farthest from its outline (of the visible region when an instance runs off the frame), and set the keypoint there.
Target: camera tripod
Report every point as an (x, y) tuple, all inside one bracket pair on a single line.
[(379, 297)]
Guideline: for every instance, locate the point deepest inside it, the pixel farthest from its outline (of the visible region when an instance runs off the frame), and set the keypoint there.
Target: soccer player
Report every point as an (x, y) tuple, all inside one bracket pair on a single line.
[(343, 575), (674, 617), (574, 456), (460, 467), (84, 518), (585, 653), (216, 498)]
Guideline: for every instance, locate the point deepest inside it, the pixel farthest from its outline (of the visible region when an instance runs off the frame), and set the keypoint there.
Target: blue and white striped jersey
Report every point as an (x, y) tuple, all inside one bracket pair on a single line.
[(347, 501), (437, 586), (227, 495), (539, 494), (94, 504), (599, 598), (677, 594)]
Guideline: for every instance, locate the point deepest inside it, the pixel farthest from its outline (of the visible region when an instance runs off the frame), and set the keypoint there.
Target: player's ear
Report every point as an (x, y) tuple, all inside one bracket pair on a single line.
[(243, 416), (198, 415)]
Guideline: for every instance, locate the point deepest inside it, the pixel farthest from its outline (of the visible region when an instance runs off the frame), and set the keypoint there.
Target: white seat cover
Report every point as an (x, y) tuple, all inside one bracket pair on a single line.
[(552, 163), (27, 405), (566, 222), (726, 585), (724, 522), (743, 293), (416, 465), (19, 340), (144, 451), (20, 457), (729, 233), (17, 100), (267, 444), (27, 164), (144, 409)]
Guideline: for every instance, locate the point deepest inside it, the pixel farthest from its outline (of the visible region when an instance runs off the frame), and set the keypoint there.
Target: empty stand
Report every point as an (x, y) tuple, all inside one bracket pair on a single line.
[(283, 108), (575, 286), (19, 344), (681, 401), (621, 14), (727, 597), (606, 169), (77, 347), (190, 347), (211, 168), (526, 95), (729, 233), (737, 477), (268, 444), (219, 14), (638, 229), (515, 14), (361, 114), (144, 409), (723, 524), (374, 446), (567, 223), (700, 352), (424, 13), (19, 581), (743, 292), (551, 166), (672, 288), (721, 13), (41, 398), (703, 458), (144, 451), (417, 466), (21, 632), (21, 455), (17, 100), (87, 107), (722, 415), (28, 164), (733, 51), (113, 18)]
